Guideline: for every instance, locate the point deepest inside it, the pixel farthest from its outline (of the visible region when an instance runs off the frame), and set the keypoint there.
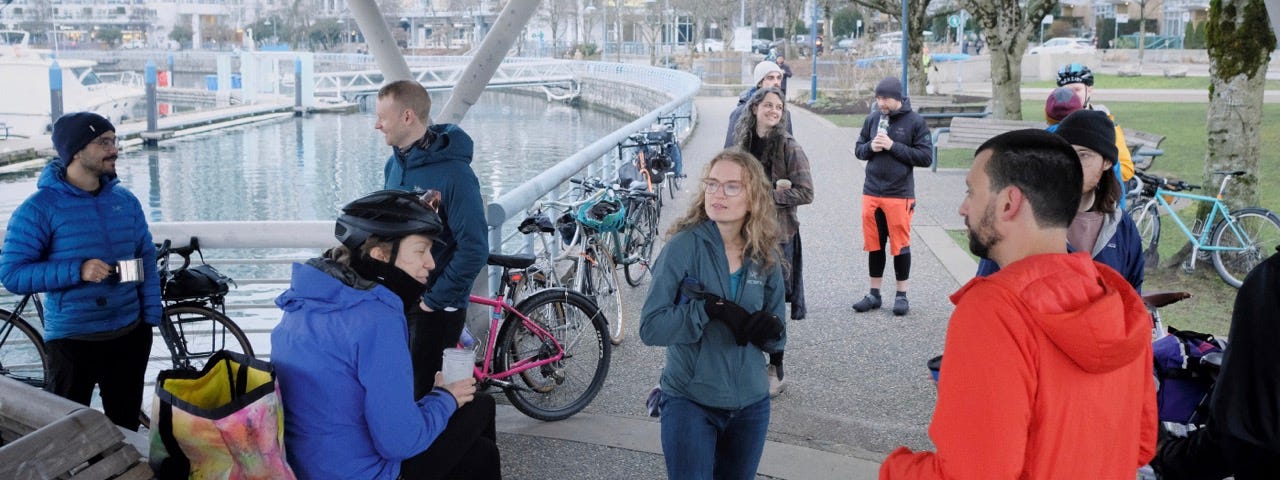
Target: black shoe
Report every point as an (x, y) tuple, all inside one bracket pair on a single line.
[(900, 306), (867, 303)]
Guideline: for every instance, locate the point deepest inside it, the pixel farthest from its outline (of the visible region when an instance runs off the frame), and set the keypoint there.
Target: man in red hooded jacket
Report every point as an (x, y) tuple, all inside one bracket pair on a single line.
[(1047, 368)]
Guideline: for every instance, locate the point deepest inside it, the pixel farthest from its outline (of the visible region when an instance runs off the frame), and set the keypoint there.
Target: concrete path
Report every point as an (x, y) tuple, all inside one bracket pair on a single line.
[(858, 386)]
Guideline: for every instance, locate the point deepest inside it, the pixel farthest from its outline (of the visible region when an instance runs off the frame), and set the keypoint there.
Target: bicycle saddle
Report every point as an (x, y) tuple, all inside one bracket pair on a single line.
[(1160, 299), (511, 261)]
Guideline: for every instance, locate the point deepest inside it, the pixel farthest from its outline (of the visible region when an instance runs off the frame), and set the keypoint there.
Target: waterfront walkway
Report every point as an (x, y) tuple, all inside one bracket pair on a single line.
[(858, 386)]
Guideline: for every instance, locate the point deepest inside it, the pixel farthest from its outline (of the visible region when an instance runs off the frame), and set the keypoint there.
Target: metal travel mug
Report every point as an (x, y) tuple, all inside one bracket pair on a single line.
[(129, 270)]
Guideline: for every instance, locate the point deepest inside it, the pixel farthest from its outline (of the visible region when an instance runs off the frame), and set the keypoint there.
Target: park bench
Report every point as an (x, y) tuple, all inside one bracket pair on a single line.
[(939, 113), (1144, 147), (46, 436), (970, 133)]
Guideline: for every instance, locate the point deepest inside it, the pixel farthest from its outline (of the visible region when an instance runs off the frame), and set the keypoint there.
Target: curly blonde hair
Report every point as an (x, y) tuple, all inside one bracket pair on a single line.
[(760, 228)]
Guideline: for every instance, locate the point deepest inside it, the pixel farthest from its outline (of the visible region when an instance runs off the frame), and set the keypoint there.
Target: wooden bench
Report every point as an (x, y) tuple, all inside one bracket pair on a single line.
[(970, 133), (46, 436), (1144, 147), (940, 115)]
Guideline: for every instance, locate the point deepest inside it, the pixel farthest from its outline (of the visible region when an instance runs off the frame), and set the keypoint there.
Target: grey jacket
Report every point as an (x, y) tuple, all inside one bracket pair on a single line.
[(704, 364)]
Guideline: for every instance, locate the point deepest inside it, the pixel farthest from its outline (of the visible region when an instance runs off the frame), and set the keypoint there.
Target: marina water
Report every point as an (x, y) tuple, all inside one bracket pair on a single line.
[(306, 168)]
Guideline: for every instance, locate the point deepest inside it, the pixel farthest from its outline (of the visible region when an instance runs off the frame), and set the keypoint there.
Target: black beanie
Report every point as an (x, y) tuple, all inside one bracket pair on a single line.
[(890, 87), (1091, 129), (73, 131)]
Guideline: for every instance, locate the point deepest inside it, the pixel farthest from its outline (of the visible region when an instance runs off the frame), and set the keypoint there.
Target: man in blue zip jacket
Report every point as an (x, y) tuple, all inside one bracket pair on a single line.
[(435, 157), (66, 240)]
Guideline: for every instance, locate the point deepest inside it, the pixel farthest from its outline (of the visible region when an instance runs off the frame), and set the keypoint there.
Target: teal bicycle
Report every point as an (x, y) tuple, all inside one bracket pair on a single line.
[(1237, 240)]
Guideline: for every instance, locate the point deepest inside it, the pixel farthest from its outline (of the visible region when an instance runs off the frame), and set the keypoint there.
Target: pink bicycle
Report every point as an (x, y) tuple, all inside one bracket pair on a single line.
[(550, 353)]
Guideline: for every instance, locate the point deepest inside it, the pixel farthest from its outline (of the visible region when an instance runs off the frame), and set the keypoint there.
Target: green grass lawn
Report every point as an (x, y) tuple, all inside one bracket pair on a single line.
[(1184, 146), (1147, 82)]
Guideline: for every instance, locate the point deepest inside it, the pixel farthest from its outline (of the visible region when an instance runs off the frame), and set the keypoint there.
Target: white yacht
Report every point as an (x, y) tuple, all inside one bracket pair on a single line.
[(24, 79)]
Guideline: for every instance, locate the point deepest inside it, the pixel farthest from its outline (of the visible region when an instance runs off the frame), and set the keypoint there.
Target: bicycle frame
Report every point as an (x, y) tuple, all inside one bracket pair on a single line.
[(499, 307), (1219, 208)]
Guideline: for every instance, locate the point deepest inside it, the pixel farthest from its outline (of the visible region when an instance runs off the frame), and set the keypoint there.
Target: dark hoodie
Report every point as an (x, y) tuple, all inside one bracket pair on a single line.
[(1047, 374), (444, 164), (889, 172)]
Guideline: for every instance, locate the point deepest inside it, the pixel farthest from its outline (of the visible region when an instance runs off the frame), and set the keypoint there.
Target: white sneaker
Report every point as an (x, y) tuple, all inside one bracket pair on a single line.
[(776, 386)]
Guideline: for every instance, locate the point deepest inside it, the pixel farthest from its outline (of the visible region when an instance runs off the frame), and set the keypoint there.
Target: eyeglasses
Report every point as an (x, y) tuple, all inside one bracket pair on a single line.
[(107, 142), (731, 189)]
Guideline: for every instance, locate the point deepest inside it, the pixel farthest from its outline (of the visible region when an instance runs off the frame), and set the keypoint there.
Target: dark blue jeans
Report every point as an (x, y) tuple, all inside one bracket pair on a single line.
[(704, 443)]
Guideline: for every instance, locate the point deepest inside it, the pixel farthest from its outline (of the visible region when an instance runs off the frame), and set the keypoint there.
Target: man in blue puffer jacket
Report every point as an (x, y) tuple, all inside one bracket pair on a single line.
[(435, 157), (66, 240)]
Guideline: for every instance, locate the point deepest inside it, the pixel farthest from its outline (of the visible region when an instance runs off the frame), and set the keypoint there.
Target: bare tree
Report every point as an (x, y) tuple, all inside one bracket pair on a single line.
[(916, 18), (1007, 25), (555, 13), (1240, 43)]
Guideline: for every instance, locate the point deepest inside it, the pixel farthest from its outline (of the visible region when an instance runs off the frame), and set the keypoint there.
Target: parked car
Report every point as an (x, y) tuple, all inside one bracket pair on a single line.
[(846, 46), (1064, 45), (761, 46)]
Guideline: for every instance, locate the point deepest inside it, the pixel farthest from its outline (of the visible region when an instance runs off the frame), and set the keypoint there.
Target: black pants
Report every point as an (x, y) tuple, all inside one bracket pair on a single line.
[(1208, 455), (791, 251), (467, 448), (429, 334), (116, 366)]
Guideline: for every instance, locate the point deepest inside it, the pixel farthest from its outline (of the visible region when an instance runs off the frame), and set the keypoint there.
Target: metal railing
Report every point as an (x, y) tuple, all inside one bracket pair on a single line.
[(257, 254)]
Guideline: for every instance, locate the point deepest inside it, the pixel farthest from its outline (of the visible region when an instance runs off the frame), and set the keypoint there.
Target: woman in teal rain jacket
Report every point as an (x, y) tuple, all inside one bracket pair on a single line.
[(717, 303)]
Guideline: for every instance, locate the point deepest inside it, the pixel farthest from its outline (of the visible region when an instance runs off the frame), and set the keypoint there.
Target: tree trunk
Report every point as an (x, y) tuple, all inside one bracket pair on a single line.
[(1240, 42), (1007, 24), (1006, 77)]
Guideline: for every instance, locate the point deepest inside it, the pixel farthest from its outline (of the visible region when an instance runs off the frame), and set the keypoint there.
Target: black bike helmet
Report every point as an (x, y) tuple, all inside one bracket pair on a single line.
[(389, 214), (1075, 73)]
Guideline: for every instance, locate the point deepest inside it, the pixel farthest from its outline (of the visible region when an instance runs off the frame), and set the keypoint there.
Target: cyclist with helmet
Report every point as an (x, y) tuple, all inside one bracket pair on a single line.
[(1079, 78), (341, 353)]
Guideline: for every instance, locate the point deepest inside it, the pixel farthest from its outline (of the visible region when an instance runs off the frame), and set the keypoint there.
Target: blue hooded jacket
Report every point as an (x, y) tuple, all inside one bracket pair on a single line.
[(341, 353), (57, 229), (704, 363), (445, 165), (1121, 250)]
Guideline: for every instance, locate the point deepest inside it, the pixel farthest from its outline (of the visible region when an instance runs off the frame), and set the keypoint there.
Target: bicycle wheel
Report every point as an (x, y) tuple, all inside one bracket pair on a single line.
[(1261, 234), (602, 282), (22, 355), (190, 335), (639, 249), (559, 389), (1146, 217)]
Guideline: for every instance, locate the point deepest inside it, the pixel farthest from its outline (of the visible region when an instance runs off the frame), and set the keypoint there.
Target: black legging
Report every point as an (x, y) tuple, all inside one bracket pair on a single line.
[(876, 260), (466, 449)]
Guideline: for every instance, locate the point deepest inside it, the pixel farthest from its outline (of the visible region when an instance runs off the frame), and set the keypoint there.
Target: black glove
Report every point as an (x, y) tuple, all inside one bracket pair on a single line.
[(763, 327), (731, 314)]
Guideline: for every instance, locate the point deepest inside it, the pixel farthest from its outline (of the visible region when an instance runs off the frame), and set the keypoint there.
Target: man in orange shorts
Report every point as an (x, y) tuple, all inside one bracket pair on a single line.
[(894, 140)]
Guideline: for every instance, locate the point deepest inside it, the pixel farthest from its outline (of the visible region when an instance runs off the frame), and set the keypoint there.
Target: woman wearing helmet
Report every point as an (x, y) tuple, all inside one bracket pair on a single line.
[(1079, 79), (341, 352)]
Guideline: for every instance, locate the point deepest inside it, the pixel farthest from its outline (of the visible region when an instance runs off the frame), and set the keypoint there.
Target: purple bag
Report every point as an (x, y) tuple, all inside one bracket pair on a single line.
[(1185, 379)]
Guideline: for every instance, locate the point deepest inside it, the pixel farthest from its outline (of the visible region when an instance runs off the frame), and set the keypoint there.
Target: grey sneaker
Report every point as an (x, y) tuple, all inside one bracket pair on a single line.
[(867, 303), (900, 306)]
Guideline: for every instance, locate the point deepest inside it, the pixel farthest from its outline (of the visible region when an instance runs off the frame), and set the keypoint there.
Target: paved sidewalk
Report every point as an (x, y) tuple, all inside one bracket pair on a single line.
[(858, 386)]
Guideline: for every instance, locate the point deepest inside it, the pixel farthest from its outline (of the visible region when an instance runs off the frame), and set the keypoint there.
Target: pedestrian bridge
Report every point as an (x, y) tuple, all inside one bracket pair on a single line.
[(555, 78)]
